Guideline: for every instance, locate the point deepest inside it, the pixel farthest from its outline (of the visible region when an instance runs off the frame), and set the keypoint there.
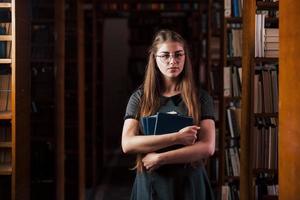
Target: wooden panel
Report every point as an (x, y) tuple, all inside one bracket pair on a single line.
[(289, 98), (248, 54), (81, 98), (21, 101), (60, 98)]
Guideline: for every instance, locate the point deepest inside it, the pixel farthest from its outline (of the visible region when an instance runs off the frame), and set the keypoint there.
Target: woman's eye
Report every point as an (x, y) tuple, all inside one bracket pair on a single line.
[(178, 55)]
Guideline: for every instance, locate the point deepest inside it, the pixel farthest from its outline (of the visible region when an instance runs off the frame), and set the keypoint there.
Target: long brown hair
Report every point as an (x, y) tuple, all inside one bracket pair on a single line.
[(153, 85)]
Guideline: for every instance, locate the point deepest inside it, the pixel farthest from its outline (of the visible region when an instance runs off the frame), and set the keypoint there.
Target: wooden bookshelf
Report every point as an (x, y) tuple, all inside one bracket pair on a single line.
[(43, 132), (230, 100), (14, 116), (253, 175)]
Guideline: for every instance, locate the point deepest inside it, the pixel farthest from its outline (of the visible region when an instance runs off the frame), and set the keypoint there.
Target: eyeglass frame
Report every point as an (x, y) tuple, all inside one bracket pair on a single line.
[(176, 56)]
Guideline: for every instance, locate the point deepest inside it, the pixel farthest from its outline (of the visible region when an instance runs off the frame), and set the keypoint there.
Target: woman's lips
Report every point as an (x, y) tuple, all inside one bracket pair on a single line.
[(173, 68)]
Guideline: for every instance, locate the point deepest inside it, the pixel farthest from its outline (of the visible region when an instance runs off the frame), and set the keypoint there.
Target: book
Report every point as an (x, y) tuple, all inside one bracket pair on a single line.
[(169, 123), (163, 123)]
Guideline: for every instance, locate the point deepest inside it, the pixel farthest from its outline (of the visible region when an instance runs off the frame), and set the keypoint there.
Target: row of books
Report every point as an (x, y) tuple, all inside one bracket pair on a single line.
[(5, 28), (5, 92), (265, 143), (266, 190), (266, 185), (233, 8), (42, 53), (5, 46), (233, 116), (232, 161), (234, 42), (266, 89), (215, 48), (5, 133), (5, 156), (5, 15), (266, 39), (232, 81), (217, 12), (5, 49), (183, 6), (42, 34), (230, 192)]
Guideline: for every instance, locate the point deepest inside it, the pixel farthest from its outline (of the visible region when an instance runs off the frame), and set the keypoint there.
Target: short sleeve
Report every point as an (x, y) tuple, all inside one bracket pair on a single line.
[(132, 108), (207, 106)]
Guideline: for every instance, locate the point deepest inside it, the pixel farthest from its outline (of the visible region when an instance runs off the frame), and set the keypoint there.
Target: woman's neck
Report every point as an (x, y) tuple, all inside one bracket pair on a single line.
[(170, 87)]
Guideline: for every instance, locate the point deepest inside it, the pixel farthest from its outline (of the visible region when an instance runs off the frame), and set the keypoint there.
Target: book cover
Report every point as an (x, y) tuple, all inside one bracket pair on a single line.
[(162, 123), (169, 123)]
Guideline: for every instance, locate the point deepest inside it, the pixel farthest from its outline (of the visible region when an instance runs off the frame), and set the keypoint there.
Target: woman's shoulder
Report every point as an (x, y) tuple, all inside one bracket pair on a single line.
[(137, 93)]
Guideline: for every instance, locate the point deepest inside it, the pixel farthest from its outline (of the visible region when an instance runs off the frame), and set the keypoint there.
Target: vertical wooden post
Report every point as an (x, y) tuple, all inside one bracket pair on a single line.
[(289, 99), (94, 96), (81, 97), (20, 99), (248, 55), (60, 97)]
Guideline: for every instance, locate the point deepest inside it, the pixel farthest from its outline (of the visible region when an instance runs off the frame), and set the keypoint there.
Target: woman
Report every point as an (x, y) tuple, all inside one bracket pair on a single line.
[(168, 86)]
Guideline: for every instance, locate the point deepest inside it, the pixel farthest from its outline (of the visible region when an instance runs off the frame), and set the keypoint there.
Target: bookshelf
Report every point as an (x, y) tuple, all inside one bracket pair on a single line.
[(259, 136), (230, 100), (42, 136), (210, 65), (14, 101)]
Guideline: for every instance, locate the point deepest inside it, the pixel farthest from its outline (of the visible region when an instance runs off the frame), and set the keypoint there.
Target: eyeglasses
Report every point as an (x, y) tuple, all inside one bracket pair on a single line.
[(166, 58)]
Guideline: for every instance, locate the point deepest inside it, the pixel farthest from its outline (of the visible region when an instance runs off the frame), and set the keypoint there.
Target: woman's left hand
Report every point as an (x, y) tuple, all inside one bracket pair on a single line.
[(151, 161)]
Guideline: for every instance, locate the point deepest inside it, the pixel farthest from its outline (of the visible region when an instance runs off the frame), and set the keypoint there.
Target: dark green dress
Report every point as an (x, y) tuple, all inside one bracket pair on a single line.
[(175, 181)]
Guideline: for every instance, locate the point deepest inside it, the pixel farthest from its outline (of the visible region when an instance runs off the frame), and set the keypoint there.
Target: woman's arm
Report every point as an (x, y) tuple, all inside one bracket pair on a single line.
[(203, 148), (132, 142)]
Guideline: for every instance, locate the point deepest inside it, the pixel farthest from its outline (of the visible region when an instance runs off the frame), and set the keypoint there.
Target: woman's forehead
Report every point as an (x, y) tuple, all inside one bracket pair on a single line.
[(170, 47)]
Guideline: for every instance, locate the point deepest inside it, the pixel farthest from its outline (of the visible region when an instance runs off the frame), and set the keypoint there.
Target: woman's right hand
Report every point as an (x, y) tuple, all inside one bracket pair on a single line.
[(188, 135)]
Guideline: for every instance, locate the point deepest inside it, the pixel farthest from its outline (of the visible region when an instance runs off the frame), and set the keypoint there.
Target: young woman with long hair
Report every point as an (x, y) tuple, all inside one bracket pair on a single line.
[(177, 173)]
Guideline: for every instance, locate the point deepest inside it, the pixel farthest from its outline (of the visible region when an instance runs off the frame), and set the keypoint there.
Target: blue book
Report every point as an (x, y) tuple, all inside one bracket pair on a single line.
[(163, 123), (169, 123)]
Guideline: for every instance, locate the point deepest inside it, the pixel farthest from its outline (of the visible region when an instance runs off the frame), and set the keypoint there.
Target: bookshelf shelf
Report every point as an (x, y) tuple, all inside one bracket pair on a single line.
[(5, 5), (5, 170), (5, 115), (266, 115), (5, 61), (5, 144), (267, 5), (14, 152), (261, 170), (232, 178), (5, 37), (266, 60), (233, 20)]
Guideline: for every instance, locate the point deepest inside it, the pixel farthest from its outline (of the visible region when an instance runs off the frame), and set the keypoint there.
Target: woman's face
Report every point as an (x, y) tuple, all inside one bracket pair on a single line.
[(170, 58)]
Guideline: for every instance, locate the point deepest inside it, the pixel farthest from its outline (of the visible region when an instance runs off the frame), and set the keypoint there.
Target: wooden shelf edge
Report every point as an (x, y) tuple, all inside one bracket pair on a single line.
[(5, 169), (5, 115), (5, 5), (5, 61), (6, 144), (5, 37), (267, 5)]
